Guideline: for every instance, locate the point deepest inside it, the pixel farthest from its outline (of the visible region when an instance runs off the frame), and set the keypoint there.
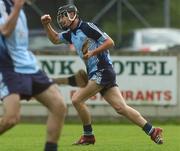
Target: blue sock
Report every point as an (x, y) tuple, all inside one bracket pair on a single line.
[(87, 129), (50, 146), (148, 128)]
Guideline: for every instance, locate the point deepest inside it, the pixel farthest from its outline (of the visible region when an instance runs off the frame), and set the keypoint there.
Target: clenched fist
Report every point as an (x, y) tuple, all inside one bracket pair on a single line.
[(46, 19)]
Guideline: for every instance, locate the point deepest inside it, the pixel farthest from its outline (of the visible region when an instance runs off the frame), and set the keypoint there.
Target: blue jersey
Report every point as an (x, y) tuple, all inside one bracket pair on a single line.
[(96, 37), (14, 53)]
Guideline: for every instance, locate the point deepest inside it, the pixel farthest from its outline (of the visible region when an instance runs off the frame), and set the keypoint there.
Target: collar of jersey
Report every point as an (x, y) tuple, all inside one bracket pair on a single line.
[(77, 27)]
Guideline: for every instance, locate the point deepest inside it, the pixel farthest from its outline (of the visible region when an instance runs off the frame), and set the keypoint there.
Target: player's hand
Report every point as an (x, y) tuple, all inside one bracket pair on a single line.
[(46, 19), (88, 55)]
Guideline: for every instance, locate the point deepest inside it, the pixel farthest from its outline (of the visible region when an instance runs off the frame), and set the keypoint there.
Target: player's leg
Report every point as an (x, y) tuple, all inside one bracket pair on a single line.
[(80, 96), (11, 86), (78, 99), (115, 99), (48, 94), (53, 100), (11, 117)]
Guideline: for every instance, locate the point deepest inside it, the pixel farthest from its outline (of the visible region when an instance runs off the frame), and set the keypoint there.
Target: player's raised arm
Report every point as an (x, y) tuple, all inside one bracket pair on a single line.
[(8, 26), (51, 33)]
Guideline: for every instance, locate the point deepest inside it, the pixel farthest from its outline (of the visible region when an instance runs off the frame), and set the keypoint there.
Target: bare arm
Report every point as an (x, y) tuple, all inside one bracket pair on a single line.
[(7, 28), (51, 33), (106, 45)]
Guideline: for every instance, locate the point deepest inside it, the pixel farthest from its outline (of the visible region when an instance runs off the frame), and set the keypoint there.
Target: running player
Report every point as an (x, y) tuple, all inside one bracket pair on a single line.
[(92, 45)]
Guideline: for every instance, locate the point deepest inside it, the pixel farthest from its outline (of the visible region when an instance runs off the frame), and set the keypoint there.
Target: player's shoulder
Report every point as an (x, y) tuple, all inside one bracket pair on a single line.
[(88, 26), (85, 24)]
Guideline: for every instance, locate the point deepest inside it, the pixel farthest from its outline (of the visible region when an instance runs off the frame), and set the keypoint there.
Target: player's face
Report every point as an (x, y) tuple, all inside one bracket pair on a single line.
[(64, 20)]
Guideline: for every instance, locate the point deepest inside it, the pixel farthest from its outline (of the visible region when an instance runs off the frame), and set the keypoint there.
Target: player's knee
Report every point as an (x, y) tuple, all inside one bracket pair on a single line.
[(75, 101), (120, 109), (59, 107), (63, 108)]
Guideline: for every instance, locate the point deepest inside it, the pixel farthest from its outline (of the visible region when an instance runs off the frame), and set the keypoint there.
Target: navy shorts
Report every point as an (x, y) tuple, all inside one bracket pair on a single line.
[(26, 85), (106, 78)]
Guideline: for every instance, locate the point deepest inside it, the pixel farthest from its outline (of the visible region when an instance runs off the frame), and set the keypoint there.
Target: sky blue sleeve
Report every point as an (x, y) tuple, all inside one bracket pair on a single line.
[(92, 31), (2, 20), (103, 38)]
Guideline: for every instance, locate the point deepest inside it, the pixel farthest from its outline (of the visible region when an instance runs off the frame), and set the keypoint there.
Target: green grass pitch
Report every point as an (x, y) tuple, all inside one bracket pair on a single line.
[(30, 137)]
